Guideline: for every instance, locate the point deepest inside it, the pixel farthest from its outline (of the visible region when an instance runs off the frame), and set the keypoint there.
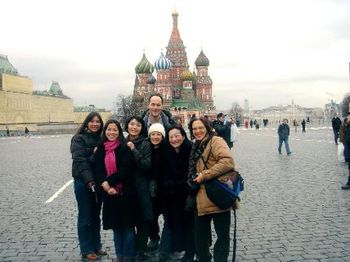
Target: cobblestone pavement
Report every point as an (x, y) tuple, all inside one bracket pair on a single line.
[(292, 208)]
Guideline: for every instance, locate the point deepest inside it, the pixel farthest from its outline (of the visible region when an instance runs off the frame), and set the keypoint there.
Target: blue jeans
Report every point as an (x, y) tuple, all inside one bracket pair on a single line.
[(124, 242), (89, 223), (285, 140)]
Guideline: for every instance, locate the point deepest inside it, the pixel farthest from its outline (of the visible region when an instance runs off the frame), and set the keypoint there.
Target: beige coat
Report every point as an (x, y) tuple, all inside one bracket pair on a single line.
[(219, 162)]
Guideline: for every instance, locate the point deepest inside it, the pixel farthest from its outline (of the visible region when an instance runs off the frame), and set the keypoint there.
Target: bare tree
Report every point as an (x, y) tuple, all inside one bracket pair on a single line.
[(124, 108), (236, 110)]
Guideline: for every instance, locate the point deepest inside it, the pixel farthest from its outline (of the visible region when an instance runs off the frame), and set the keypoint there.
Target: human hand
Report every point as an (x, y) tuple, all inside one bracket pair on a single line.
[(199, 179), (94, 150), (112, 191), (131, 145), (106, 186), (91, 185)]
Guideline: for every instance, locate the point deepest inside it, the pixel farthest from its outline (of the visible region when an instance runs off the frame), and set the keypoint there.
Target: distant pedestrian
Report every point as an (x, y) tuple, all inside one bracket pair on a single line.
[(251, 123), (295, 124), (223, 129), (283, 134), (336, 122), (26, 131), (246, 123), (303, 123), (7, 131)]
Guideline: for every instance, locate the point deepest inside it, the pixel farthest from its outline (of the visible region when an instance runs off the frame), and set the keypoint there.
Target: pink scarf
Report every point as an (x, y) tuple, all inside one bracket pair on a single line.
[(110, 163)]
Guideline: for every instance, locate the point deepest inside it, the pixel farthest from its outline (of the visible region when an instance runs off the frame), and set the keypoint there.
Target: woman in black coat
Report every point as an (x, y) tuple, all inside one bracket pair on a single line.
[(114, 175), (82, 147), (181, 222), (142, 153)]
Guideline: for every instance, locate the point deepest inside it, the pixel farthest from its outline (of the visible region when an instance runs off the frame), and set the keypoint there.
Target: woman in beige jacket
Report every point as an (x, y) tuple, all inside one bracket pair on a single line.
[(210, 158)]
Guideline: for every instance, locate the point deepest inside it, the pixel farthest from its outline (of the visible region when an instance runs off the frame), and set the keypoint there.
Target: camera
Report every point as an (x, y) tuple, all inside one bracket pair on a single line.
[(193, 185)]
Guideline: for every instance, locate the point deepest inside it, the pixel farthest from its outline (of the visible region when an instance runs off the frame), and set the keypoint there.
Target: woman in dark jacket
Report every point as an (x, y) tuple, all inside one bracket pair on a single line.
[(142, 153), (181, 222), (114, 175), (82, 147)]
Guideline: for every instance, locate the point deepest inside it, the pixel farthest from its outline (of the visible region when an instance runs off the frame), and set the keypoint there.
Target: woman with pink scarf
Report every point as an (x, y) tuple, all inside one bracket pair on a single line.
[(113, 172)]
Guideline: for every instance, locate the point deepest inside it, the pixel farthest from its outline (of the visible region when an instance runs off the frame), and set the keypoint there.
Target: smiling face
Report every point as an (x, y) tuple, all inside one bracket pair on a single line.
[(156, 138), (175, 138), (112, 132), (134, 128), (198, 129), (94, 125), (155, 106)]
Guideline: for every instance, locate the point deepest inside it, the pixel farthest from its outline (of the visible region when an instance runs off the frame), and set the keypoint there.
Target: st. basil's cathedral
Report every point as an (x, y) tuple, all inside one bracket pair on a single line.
[(184, 92)]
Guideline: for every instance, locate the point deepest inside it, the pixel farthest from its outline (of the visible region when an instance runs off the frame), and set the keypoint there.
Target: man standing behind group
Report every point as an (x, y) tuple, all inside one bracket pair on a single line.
[(283, 134), (223, 129), (156, 114), (336, 122)]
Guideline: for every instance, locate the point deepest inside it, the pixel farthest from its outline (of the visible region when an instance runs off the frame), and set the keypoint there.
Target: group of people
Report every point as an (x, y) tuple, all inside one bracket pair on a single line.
[(341, 132), (155, 170)]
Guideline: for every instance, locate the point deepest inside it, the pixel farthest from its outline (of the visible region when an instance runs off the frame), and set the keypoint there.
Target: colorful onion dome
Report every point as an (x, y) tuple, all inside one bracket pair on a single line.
[(144, 66), (162, 63), (186, 75), (151, 80), (202, 60)]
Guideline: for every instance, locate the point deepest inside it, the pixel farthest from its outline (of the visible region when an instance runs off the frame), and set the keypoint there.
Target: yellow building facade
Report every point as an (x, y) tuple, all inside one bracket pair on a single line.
[(20, 106)]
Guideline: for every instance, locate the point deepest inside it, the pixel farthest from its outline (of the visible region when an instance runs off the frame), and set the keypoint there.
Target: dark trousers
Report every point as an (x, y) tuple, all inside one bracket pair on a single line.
[(222, 223), (142, 236), (154, 229), (336, 136)]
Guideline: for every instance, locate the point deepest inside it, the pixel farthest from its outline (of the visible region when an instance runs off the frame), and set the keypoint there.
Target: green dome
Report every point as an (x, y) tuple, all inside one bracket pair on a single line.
[(144, 66), (202, 60), (55, 89), (186, 75), (6, 67)]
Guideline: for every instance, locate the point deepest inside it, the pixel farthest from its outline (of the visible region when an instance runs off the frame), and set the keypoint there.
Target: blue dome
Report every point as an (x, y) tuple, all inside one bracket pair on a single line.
[(162, 63)]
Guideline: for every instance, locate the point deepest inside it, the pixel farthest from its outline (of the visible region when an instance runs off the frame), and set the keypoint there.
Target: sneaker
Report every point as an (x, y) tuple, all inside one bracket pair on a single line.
[(289, 153), (152, 245), (346, 187), (101, 252)]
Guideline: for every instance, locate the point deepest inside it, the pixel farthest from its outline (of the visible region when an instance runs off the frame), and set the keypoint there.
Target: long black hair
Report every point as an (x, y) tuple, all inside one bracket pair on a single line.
[(140, 120), (182, 132), (120, 131), (89, 118)]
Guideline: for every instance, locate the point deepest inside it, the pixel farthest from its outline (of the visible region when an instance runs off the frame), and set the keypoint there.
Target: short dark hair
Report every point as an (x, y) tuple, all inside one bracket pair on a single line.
[(140, 120), (219, 115), (87, 119), (206, 124), (120, 136), (155, 94)]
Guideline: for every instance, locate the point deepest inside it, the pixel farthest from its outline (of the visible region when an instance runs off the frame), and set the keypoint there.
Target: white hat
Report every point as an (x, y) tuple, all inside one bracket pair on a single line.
[(156, 127)]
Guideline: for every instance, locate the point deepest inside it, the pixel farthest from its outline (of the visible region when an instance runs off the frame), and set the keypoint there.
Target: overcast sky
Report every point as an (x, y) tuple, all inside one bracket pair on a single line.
[(268, 52)]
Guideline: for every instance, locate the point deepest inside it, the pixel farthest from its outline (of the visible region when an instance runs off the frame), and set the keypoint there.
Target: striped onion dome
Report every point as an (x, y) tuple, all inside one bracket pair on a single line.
[(186, 76), (151, 80), (144, 66), (162, 63), (202, 60)]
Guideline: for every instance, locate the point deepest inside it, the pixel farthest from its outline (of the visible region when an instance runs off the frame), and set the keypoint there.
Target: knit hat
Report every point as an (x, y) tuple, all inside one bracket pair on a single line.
[(156, 127)]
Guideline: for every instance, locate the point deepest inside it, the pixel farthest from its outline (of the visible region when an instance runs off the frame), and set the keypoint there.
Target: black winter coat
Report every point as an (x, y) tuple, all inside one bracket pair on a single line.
[(81, 147), (142, 165), (118, 210), (223, 131)]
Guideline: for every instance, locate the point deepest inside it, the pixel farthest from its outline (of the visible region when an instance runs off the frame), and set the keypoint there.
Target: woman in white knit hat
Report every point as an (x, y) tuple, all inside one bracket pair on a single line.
[(156, 134)]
